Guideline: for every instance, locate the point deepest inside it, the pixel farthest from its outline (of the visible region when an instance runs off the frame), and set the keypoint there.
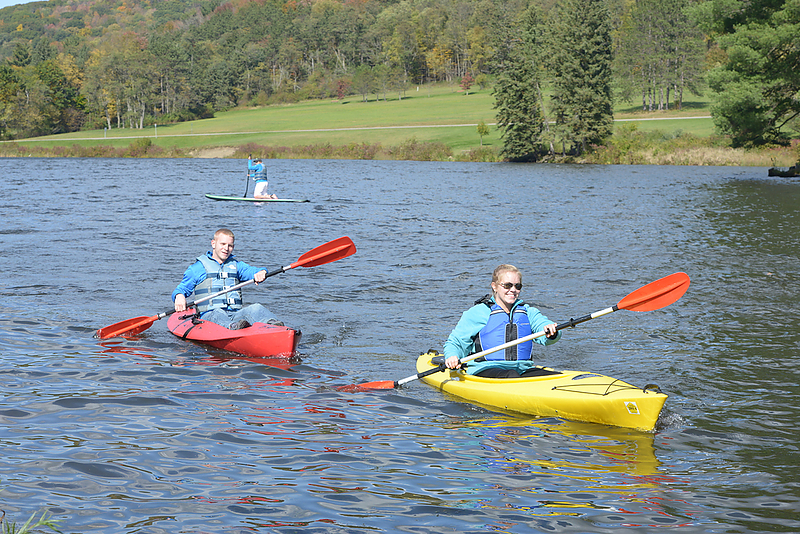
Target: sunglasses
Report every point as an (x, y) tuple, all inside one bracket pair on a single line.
[(509, 285)]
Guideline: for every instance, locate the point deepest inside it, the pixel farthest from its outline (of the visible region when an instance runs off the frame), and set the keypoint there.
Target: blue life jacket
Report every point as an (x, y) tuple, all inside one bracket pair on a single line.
[(258, 174), (218, 278), (500, 328)]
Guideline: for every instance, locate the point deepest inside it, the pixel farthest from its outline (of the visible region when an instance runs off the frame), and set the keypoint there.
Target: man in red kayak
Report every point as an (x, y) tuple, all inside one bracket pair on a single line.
[(215, 271)]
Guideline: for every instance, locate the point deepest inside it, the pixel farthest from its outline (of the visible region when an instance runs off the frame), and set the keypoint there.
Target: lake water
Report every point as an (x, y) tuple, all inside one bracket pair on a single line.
[(157, 435)]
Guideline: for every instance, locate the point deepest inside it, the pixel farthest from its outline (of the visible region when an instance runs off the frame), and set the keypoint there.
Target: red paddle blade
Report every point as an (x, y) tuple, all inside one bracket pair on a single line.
[(656, 295), (330, 251), (130, 327), (383, 384)]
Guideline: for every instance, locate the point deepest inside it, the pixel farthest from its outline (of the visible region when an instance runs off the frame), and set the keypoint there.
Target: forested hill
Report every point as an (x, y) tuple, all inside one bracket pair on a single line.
[(72, 21), (73, 64)]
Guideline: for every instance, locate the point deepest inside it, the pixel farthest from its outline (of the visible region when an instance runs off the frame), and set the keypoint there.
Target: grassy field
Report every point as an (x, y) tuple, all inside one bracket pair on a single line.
[(430, 114)]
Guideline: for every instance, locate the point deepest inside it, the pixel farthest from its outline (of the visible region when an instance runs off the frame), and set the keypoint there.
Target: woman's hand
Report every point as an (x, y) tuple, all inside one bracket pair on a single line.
[(453, 362), (550, 331)]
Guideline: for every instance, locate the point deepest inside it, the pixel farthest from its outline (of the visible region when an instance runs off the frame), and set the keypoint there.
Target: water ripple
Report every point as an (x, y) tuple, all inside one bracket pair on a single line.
[(154, 434)]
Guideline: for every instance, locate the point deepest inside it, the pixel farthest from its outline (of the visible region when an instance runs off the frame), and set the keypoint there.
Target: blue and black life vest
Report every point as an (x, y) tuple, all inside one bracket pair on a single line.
[(503, 327), (259, 174), (218, 278)]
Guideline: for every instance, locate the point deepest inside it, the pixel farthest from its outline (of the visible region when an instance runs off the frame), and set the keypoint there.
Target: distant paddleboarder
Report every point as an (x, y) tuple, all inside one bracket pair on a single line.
[(259, 174)]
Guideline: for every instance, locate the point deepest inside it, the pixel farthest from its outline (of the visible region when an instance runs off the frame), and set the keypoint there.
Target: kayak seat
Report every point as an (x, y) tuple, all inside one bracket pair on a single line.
[(536, 371), (539, 371)]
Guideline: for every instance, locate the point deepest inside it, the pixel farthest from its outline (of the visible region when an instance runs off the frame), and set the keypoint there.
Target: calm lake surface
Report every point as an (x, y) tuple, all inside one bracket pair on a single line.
[(158, 435)]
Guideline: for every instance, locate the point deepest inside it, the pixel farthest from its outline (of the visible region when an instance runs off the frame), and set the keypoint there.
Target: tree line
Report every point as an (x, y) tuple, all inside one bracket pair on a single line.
[(72, 64)]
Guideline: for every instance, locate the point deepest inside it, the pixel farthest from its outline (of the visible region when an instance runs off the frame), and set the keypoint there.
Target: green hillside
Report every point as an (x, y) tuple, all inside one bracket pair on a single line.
[(431, 114), (435, 123)]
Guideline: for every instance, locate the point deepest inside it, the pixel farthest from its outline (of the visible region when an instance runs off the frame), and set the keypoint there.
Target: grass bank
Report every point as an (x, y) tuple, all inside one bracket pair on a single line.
[(426, 123)]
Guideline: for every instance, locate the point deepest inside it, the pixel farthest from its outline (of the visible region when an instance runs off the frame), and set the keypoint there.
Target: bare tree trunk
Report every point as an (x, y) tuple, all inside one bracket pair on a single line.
[(143, 108)]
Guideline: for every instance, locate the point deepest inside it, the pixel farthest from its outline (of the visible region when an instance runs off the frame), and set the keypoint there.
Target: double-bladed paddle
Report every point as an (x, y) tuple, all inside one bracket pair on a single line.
[(653, 296), (327, 253)]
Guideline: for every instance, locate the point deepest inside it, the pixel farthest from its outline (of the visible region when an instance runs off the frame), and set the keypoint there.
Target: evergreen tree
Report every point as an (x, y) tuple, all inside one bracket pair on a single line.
[(759, 81), (21, 56), (42, 51), (66, 101), (517, 95), (9, 85), (580, 62)]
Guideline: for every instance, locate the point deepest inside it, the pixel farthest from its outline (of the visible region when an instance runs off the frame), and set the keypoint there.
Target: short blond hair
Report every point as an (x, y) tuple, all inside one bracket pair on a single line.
[(505, 268), (223, 231)]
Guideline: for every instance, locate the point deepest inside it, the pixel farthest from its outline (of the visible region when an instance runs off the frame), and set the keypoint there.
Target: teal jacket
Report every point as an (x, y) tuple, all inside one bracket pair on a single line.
[(461, 342)]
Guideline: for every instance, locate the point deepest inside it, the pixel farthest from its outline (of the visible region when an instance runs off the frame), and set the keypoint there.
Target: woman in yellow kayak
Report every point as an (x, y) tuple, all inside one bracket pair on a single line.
[(494, 320)]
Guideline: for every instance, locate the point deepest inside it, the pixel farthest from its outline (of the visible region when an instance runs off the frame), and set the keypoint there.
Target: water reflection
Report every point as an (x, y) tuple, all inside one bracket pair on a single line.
[(569, 469), (122, 347), (623, 451)]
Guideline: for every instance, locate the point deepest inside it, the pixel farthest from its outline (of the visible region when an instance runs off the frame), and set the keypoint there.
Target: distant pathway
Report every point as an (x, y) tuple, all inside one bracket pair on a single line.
[(320, 130)]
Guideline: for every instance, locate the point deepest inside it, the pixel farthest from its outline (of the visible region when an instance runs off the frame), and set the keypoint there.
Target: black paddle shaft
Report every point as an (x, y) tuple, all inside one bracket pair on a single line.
[(572, 322)]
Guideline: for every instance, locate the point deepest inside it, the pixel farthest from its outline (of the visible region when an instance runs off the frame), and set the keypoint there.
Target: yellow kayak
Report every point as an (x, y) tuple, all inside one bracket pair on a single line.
[(573, 395)]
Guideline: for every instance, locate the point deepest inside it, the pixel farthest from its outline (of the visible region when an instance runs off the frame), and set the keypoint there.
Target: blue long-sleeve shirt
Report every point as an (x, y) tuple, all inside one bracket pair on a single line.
[(259, 174), (196, 273)]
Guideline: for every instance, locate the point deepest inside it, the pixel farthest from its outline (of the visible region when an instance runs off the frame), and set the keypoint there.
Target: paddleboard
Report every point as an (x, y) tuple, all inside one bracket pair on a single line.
[(248, 199)]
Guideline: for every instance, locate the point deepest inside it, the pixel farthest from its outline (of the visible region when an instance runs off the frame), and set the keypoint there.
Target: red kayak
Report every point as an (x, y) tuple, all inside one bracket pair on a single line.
[(260, 340)]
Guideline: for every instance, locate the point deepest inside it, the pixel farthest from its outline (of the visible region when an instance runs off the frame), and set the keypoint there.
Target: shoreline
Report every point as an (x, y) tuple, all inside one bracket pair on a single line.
[(627, 146), (687, 154)]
